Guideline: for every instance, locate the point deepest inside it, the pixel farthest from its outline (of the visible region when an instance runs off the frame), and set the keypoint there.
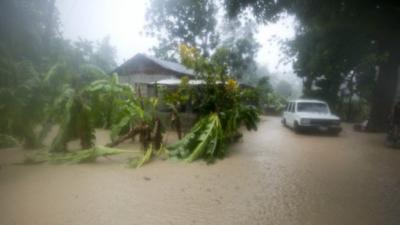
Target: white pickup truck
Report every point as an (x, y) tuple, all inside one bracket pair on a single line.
[(310, 114)]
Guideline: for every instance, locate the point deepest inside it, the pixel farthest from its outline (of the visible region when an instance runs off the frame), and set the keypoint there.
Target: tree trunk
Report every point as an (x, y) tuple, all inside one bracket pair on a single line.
[(385, 91), (157, 135), (131, 134), (350, 108)]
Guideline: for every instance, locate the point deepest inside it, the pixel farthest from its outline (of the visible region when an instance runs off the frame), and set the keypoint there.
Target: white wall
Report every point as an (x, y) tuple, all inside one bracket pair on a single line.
[(144, 78)]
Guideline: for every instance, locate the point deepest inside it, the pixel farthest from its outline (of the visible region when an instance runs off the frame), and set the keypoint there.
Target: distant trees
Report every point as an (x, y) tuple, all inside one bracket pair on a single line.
[(174, 22), (24, 27), (195, 23), (100, 54), (284, 89), (238, 49)]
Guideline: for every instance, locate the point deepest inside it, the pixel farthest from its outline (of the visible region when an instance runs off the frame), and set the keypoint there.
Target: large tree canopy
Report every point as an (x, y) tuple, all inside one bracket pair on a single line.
[(26, 27), (174, 22), (194, 23), (338, 38), (238, 49)]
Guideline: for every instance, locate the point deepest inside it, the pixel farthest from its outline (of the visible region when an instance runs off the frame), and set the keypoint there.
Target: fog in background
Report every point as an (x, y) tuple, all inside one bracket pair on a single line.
[(123, 21)]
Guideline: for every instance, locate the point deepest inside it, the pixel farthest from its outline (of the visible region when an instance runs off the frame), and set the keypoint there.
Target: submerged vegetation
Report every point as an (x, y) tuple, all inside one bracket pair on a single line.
[(49, 82), (107, 103), (82, 156), (97, 100), (205, 140)]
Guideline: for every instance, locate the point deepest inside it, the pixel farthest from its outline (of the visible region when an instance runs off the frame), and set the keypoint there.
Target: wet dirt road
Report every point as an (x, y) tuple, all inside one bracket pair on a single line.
[(272, 177)]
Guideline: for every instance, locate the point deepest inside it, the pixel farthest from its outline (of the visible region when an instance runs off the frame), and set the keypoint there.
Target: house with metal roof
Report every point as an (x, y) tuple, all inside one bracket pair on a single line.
[(143, 71), (147, 69)]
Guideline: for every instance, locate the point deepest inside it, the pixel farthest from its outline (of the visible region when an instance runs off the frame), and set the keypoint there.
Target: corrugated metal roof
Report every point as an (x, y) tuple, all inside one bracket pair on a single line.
[(179, 68), (175, 68)]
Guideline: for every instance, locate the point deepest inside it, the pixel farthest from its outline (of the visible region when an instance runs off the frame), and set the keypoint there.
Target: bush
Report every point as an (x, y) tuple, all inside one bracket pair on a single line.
[(7, 141)]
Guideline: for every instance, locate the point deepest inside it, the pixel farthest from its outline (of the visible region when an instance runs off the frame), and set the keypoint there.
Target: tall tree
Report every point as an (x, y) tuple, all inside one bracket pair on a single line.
[(327, 56), (375, 22), (174, 22), (25, 27), (238, 49)]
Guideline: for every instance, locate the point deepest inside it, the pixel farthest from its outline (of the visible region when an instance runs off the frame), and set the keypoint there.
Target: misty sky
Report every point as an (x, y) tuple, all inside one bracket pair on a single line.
[(123, 21)]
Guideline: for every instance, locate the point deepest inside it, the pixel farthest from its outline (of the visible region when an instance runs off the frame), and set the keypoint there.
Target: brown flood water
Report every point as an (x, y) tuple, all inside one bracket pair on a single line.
[(272, 177)]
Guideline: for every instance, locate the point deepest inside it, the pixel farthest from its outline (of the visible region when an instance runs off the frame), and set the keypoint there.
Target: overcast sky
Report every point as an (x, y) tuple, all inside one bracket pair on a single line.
[(123, 21)]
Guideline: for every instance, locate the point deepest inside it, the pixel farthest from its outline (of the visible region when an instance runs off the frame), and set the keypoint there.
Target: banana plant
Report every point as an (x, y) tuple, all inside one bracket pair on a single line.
[(222, 111), (21, 103), (81, 110), (138, 118)]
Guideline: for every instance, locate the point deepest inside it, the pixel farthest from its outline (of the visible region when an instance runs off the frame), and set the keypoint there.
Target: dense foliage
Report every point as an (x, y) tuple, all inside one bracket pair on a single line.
[(182, 21), (228, 42), (37, 66), (48, 82), (176, 100), (82, 110), (222, 112)]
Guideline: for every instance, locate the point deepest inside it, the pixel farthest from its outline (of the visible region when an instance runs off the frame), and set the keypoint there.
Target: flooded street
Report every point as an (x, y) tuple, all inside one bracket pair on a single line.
[(273, 176)]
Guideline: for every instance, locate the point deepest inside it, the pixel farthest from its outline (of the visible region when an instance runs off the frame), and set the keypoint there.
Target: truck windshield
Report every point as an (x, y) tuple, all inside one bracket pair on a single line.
[(312, 107)]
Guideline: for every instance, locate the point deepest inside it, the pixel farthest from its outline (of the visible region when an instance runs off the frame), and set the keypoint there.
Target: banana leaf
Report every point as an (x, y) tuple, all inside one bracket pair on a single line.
[(139, 162), (205, 141), (82, 156)]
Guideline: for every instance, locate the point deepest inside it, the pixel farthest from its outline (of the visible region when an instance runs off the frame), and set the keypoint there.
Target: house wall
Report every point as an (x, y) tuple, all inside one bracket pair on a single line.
[(141, 83), (144, 78)]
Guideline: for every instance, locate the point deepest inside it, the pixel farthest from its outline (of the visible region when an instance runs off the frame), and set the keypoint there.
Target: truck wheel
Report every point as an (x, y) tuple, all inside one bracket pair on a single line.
[(284, 122)]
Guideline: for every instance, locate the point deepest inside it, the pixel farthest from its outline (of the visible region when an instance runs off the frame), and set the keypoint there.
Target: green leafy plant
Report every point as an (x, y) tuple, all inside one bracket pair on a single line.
[(82, 110), (221, 109), (138, 118), (176, 100), (205, 140)]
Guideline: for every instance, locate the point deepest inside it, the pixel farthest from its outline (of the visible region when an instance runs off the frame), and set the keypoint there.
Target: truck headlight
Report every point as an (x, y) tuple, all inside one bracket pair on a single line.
[(305, 121)]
